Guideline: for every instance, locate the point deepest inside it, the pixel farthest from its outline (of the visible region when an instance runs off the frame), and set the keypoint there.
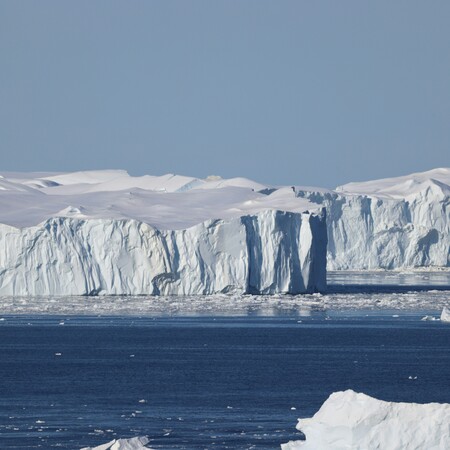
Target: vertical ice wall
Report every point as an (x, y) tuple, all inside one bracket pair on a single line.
[(373, 232), (268, 252)]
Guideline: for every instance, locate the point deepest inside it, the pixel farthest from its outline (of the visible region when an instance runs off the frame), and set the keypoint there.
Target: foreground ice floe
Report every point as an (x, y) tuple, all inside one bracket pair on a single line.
[(355, 421), (136, 443)]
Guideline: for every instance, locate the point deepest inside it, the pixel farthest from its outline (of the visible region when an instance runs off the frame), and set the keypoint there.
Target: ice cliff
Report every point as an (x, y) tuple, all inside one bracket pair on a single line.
[(349, 420), (393, 223), (108, 233)]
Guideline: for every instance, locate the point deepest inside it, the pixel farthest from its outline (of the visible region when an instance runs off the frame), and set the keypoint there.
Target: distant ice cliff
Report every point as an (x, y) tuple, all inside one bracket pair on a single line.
[(394, 223), (105, 232)]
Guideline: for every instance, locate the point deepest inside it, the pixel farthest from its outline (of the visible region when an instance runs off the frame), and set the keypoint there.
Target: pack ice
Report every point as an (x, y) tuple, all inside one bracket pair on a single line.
[(350, 420), (393, 223), (105, 232)]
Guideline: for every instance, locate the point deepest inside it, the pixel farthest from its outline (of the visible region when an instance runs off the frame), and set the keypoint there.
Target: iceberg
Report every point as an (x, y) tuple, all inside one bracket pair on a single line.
[(350, 420), (106, 233), (136, 443), (393, 223), (445, 314)]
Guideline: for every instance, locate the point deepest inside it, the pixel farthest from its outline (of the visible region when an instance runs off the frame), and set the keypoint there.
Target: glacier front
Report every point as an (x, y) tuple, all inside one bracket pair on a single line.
[(106, 233)]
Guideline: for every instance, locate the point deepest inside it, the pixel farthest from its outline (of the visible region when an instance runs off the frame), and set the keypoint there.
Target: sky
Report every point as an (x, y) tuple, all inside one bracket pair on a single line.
[(315, 93)]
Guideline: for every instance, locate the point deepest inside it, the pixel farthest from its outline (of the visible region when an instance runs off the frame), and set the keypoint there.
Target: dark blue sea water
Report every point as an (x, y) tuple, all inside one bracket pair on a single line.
[(205, 382)]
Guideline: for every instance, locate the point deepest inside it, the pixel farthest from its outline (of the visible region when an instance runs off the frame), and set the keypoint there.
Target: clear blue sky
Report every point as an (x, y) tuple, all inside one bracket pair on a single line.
[(305, 92)]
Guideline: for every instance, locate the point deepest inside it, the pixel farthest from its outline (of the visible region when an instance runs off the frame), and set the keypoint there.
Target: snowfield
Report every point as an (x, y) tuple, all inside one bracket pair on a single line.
[(104, 232), (350, 420)]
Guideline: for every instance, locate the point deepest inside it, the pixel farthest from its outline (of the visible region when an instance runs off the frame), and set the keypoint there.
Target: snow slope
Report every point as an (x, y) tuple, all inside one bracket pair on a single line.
[(349, 420), (388, 224), (104, 232)]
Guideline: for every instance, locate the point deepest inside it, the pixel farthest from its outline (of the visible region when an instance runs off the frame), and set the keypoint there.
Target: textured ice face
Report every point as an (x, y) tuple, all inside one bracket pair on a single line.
[(136, 443), (349, 420), (106, 232), (388, 224), (82, 234), (268, 253)]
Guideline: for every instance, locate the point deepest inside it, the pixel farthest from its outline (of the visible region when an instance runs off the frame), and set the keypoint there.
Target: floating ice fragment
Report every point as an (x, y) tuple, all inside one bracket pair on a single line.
[(445, 315), (136, 443), (350, 420)]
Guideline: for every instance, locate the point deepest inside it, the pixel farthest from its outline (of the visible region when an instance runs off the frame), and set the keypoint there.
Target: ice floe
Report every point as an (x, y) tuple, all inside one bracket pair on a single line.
[(350, 420), (136, 443)]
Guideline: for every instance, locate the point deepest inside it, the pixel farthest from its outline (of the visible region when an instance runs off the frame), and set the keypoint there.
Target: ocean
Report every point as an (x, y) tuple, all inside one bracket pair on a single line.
[(210, 380)]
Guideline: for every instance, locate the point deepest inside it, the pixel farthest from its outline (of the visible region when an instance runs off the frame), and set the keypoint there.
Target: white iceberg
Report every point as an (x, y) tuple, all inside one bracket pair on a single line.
[(394, 223), (104, 232), (445, 314), (136, 443), (350, 420)]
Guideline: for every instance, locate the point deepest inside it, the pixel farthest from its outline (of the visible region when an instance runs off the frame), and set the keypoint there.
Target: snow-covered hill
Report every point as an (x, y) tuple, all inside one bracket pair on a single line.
[(104, 232), (350, 420)]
